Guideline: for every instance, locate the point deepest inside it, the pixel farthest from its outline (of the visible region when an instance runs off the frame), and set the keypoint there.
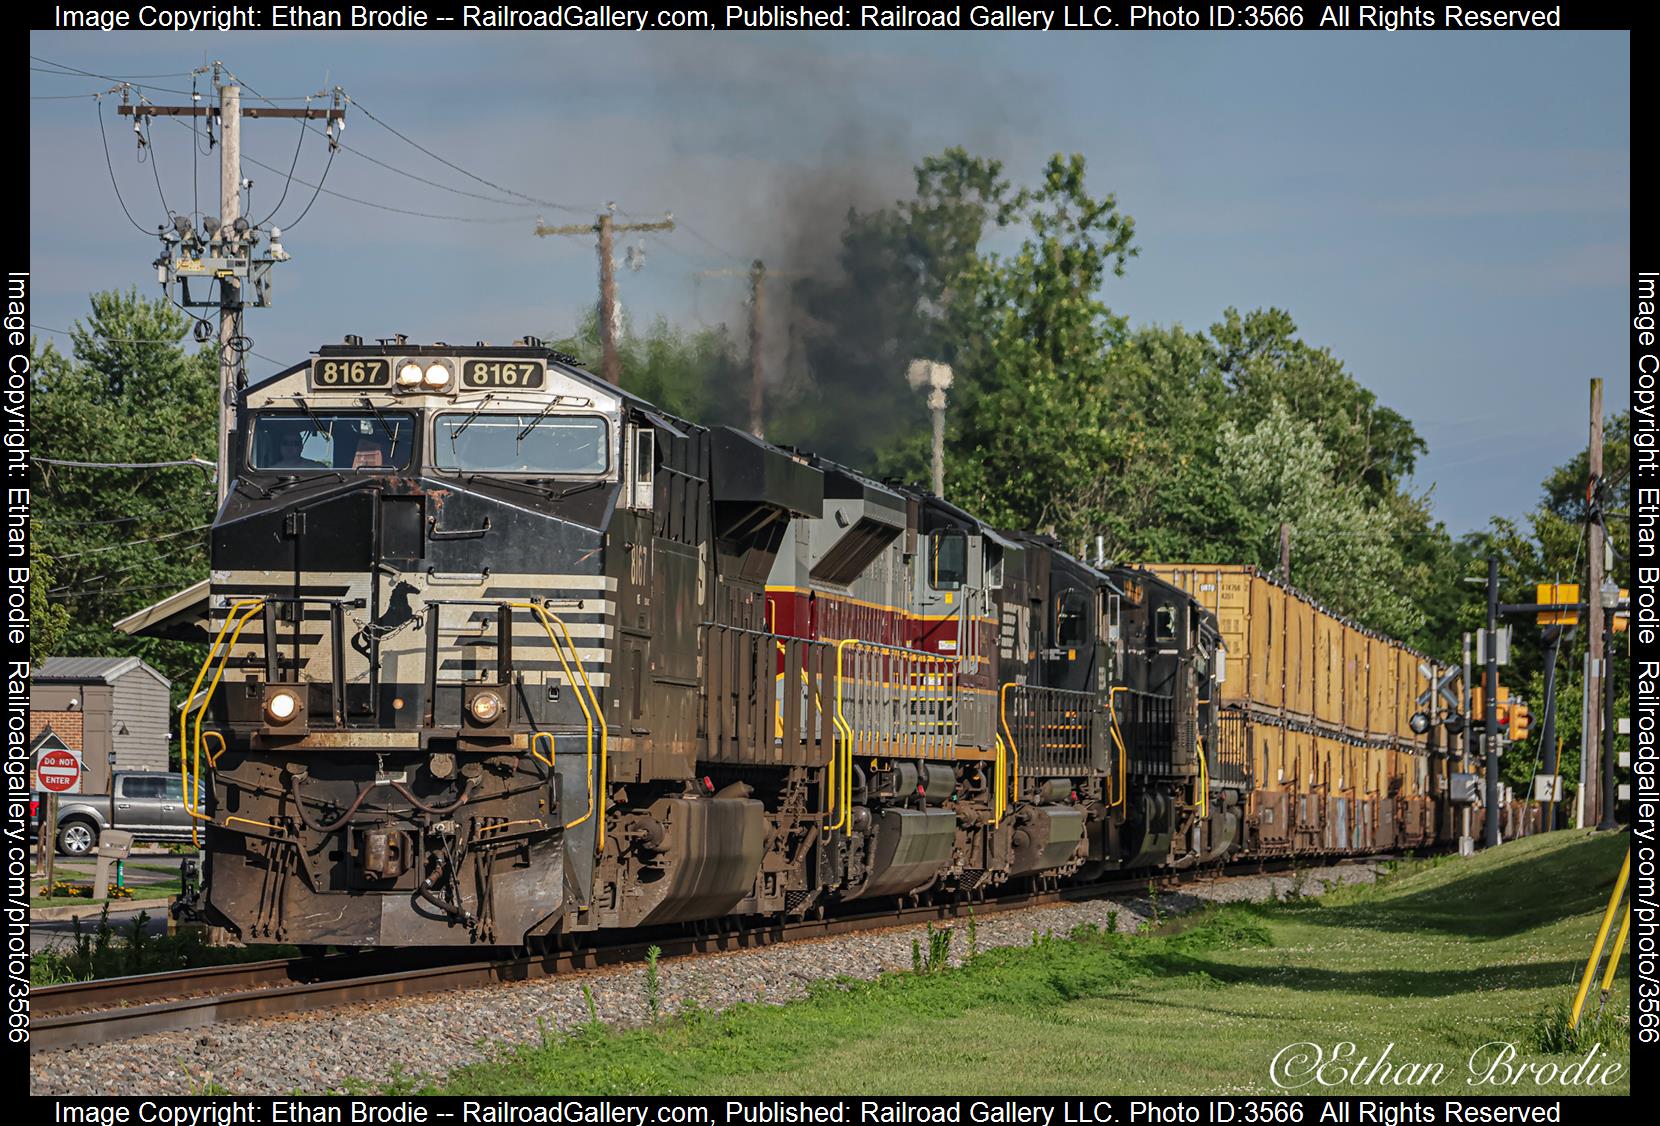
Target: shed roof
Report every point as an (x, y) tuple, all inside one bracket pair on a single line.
[(81, 670)]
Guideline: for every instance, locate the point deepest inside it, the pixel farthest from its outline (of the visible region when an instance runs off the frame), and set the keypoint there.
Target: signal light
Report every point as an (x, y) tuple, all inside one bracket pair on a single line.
[(1478, 707), (1520, 720)]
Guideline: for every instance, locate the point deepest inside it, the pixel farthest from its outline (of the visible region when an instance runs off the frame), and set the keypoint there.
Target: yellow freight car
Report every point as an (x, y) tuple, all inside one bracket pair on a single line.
[(1321, 710)]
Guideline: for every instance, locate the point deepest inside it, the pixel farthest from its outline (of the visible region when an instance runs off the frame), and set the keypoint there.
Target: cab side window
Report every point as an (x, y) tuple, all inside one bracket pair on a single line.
[(1164, 624), (1072, 613), (947, 560)]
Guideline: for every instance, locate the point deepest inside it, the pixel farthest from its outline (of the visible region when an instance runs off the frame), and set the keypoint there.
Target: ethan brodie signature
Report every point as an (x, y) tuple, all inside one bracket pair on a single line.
[(1495, 1064)]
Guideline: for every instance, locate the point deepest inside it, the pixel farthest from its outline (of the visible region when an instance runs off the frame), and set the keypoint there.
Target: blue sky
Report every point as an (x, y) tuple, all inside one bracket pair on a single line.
[(1449, 213)]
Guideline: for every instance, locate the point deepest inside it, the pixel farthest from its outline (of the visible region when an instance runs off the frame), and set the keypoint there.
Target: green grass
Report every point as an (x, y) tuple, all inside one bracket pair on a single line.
[(1438, 959)]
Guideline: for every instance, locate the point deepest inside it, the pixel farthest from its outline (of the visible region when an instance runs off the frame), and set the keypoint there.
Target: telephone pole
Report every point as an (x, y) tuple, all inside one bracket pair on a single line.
[(1285, 553), (225, 256), (1490, 705), (606, 226), (757, 275), (1590, 779), (230, 289)]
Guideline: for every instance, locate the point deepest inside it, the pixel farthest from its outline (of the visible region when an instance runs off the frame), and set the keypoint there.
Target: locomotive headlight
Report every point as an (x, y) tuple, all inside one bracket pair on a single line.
[(282, 706), (436, 376), (485, 707), (409, 375)]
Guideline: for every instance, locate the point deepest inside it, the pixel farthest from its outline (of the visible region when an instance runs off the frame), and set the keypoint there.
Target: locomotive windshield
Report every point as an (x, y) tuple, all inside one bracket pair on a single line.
[(331, 440), (471, 442)]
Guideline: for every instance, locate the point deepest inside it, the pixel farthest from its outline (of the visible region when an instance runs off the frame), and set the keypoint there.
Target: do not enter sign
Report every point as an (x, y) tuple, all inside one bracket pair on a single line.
[(58, 771)]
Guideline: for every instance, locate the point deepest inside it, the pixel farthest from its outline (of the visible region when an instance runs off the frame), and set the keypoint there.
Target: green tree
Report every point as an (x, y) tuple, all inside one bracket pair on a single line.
[(693, 374), (47, 619), (1031, 427), (120, 539), (1280, 471)]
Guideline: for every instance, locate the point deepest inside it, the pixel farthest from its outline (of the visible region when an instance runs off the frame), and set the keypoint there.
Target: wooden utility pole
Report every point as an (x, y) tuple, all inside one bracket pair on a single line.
[(1285, 553), (1590, 778), (757, 371), (757, 275), (230, 289), (606, 226), (227, 240)]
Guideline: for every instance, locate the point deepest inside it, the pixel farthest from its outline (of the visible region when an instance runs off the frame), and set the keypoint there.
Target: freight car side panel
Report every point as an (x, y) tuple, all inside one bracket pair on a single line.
[(1267, 626), (1328, 671), (1299, 659)]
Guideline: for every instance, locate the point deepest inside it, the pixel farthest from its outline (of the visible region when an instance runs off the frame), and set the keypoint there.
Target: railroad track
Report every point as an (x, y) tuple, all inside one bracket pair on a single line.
[(95, 1012)]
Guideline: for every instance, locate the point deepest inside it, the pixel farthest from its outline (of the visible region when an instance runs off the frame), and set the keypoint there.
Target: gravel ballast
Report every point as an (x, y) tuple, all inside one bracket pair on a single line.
[(365, 1046)]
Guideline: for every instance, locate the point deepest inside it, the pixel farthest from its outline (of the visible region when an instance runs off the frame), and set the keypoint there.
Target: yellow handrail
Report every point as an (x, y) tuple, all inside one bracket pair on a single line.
[(1602, 937), (1000, 794), (1003, 718), (1118, 794), (551, 763), (548, 621), (1204, 781), (190, 757)]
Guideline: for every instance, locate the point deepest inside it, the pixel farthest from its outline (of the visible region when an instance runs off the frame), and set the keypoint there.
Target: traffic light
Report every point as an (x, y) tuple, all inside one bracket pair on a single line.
[(1622, 618), (1520, 720), (1478, 711)]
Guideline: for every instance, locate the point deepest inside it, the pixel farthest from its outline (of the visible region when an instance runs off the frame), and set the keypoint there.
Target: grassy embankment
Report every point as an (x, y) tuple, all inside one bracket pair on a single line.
[(1438, 959)]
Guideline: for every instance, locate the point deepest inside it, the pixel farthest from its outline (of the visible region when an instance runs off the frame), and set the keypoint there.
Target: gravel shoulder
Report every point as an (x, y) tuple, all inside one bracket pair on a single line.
[(372, 1044)]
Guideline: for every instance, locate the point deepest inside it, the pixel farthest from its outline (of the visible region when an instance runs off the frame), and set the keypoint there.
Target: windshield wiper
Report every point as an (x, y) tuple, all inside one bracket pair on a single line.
[(384, 425), (283, 484), (468, 421), (574, 489), (554, 402), (315, 421)]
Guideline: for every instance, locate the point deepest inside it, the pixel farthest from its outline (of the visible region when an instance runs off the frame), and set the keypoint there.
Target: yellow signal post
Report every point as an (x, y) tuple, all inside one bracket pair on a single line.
[(1557, 594), (1478, 711)]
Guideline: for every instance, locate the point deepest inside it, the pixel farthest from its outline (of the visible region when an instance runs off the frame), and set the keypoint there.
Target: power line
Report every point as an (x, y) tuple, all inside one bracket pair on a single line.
[(383, 206), (320, 181), (120, 78), (133, 519), (470, 175), (103, 592), (146, 143), (111, 339), (194, 462), (710, 243), (110, 165), (289, 182), (132, 543), (69, 71)]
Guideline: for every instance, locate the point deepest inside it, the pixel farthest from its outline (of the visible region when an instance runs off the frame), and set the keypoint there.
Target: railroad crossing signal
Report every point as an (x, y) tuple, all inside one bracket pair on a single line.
[(1443, 684)]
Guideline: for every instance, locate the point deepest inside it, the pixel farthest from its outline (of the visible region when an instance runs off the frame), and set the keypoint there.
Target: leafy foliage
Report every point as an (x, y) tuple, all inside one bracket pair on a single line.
[(116, 540)]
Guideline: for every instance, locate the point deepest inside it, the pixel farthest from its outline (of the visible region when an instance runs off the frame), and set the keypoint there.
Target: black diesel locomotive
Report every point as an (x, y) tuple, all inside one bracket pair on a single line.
[(499, 652)]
